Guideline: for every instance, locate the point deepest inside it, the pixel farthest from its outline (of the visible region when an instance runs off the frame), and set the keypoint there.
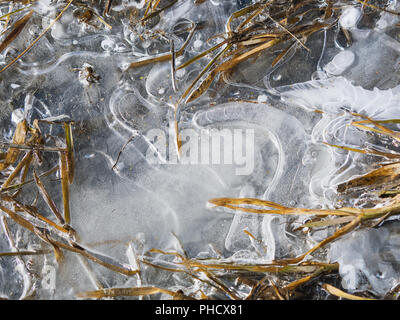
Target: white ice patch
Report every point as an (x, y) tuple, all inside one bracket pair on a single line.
[(350, 17), (335, 94), (369, 259)]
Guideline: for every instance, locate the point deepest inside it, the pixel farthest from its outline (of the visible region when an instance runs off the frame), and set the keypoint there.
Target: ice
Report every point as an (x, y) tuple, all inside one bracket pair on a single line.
[(337, 93), (340, 63), (369, 259), (289, 140), (132, 192), (387, 20), (349, 17)]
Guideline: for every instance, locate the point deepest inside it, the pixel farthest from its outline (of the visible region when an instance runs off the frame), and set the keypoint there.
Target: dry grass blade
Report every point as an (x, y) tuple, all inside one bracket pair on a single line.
[(7, 15), (69, 154), (145, 61), (34, 213), (341, 294), (161, 267), (156, 13), (207, 67), (107, 7), (275, 267), (204, 53), (205, 84), (122, 150), (132, 292), (386, 175), (38, 38), (325, 223), (163, 56), (293, 285), (18, 147), (239, 14), (20, 185), (338, 233), (290, 33), (365, 3), (26, 160), (18, 219), (16, 30), (173, 65), (46, 197), (116, 267), (64, 186), (58, 254), (233, 203), (366, 151), (380, 128)]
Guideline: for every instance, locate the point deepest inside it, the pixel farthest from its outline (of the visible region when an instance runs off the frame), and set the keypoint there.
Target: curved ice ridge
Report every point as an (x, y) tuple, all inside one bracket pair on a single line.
[(289, 137)]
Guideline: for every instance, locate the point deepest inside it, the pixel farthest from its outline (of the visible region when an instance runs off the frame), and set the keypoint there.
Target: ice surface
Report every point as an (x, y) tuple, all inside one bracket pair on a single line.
[(148, 198), (289, 140), (369, 259)]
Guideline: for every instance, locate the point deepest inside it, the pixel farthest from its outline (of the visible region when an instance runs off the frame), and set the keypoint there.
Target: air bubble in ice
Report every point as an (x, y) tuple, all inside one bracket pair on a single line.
[(197, 44), (108, 45), (121, 47), (340, 63), (277, 77), (262, 98), (180, 73)]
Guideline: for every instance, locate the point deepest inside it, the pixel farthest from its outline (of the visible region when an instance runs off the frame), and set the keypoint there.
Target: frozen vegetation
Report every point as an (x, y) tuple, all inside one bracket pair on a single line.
[(149, 153)]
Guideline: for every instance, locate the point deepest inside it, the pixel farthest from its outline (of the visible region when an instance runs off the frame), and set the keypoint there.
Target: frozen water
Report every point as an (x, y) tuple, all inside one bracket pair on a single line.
[(289, 142), (369, 259), (80, 71)]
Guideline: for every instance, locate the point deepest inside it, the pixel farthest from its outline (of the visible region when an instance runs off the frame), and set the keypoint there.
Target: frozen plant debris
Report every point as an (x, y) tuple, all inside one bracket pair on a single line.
[(182, 149)]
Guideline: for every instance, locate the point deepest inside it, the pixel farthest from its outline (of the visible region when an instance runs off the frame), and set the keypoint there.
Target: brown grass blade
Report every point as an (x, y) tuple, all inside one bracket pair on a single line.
[(365, 3), (127, 292), (64, 186), (70, 151), (20, 185), (38, 38), (34, 213), (341, 294), (233, 203), (325, 223), (385, 175), (26, 160), (16, 30)]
